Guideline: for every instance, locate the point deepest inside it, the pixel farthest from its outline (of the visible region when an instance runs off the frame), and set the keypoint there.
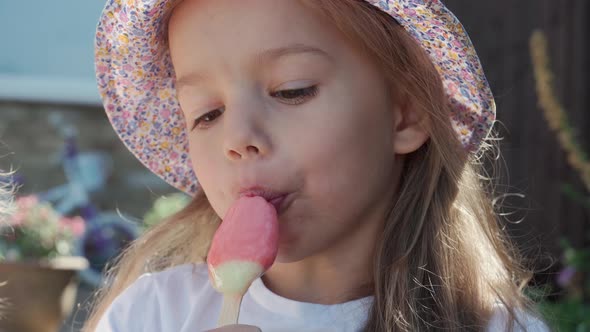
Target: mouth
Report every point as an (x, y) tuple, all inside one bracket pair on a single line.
[(277, 199), (280, 204)]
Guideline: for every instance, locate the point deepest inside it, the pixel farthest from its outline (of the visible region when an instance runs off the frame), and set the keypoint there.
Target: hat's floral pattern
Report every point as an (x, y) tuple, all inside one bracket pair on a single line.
[(137, 83), (450, 49)]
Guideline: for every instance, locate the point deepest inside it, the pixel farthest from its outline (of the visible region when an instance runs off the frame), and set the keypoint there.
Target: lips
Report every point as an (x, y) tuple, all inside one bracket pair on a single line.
[(275, 198), (278, 203)]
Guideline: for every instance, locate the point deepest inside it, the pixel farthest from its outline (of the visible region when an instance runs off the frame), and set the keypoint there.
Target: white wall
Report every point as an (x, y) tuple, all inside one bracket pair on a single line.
[(46, 50)]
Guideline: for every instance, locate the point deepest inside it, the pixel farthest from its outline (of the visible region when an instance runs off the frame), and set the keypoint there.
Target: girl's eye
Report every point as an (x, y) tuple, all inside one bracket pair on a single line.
[(205, 120), (291, 97), (296, 96)]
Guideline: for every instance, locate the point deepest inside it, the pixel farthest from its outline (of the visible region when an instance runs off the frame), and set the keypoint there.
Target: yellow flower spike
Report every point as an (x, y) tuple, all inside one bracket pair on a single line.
[(553, 111)]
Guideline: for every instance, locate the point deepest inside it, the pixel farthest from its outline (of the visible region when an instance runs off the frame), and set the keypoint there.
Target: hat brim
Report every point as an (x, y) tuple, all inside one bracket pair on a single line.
[(137, 84)]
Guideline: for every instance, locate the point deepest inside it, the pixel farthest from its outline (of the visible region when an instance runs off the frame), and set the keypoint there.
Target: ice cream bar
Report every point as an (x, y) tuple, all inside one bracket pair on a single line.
[(244, 246)]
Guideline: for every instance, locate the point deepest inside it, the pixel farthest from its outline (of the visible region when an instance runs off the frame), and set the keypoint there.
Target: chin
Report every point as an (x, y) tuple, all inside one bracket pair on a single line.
[(289, 254)]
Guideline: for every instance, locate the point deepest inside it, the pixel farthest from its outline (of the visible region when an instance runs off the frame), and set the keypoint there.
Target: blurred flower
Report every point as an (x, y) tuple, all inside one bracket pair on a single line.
[(553, 110), (165, 207), (565, 276), (76, 225), (23, 206), (36, 231)]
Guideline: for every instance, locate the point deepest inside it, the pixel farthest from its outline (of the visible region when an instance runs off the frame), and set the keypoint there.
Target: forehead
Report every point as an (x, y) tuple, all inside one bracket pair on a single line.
[(228, 29)]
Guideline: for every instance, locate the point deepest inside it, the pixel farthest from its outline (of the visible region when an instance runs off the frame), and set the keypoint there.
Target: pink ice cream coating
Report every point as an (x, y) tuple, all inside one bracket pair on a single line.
[(249, 232)]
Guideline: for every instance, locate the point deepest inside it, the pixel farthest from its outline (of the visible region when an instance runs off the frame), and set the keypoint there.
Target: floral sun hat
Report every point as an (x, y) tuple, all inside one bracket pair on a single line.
[(137, 83)]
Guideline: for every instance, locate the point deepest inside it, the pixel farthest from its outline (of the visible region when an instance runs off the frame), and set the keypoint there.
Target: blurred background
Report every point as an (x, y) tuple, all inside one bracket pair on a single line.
[(535, 54)]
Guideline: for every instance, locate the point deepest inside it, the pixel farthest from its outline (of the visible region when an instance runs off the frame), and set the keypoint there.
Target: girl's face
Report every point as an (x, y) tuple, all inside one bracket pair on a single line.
[(275, 97)]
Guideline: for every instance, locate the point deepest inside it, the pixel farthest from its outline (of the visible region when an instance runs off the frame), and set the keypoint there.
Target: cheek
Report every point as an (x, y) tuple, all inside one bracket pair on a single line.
[(347, 164), (195, 152), (349, 148), (204, 167)]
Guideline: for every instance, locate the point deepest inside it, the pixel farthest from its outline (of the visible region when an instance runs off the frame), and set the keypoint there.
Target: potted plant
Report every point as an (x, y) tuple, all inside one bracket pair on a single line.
[(38, 270)]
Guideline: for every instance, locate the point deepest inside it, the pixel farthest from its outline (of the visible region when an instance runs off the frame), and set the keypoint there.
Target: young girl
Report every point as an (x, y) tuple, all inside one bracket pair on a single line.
[(363, 121)]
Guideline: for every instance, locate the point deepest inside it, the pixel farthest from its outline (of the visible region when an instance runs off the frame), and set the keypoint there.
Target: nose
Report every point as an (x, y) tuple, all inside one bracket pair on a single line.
[(243, 152), (245, 136)]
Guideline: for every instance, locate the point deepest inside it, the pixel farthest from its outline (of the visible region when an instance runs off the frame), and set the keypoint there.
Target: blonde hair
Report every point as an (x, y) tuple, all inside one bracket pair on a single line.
[(6, 199), (443, 259), (6, 208)]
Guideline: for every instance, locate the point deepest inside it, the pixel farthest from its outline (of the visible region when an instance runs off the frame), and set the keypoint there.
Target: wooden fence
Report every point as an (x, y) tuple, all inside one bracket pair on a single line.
[(536, 163)]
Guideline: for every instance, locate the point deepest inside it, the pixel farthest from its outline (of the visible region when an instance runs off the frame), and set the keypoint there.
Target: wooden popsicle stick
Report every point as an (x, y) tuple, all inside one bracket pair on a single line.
[(230, 309)]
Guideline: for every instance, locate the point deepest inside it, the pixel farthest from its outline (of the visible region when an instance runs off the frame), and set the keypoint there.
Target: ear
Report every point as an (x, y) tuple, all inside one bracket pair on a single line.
[(409, 128)]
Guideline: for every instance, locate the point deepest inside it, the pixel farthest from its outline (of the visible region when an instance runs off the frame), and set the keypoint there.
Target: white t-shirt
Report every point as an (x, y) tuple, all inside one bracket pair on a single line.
[(181, 299)]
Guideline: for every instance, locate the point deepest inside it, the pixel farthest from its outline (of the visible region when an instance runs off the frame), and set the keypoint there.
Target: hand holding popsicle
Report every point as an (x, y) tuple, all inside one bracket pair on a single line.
[(244, 246)]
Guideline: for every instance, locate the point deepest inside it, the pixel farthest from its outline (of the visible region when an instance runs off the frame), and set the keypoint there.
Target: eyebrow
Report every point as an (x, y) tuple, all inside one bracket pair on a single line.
[(261, 58)]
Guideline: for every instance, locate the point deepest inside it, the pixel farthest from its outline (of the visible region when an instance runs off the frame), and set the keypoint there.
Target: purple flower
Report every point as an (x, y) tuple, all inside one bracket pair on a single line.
[(565, 276)]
